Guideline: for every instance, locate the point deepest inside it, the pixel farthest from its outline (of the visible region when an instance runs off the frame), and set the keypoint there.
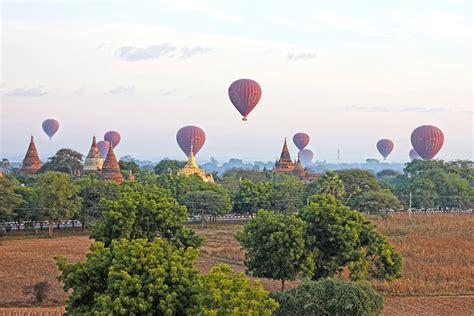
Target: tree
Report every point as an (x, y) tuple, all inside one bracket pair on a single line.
[(207, 203), (287, 195), (329, 297), (168, 166), (245, 174), (132, 277), (91, 191), (28, 210), (143, 211), (220, 292), (65, 160), (376, 201), (330, 183), (57, 198), (9, 200), (251, 197), (129, 166), (356, 182), (338, 237), (275, 246), (387, 173)]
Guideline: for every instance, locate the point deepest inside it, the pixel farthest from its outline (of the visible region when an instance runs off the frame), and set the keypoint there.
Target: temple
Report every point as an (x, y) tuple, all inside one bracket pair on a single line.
[(192, 168), (93, 162), (111, 168), (31, 162), (284, 164), (299, 170)]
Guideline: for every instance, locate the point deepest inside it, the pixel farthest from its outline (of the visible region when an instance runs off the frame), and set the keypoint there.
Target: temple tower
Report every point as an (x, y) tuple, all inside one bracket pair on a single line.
[(192, 168), (284, 164), (111, 168), (93, 162), (31, 162)]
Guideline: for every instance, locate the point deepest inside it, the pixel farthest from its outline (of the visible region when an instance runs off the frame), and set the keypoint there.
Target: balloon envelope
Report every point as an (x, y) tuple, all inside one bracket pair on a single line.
[(103, 148), (113, 137), (301, 140), (427, 140), (244, 95), (50, 127), (414, 155), (306, 155), (190, 135), (385, 147)]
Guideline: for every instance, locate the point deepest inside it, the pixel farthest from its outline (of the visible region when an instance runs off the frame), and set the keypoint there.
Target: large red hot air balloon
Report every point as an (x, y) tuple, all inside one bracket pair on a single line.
[(306, 155), (301, 140), (190, 135), (103, 148), (427, 140), (244, 95), (113, 137), (50, 127), (385, 147), (414, 155)]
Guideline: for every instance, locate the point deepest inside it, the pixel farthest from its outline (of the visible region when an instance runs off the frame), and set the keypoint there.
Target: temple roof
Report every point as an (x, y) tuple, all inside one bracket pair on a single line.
[(284, 164), (93, 161), (191, 167), (299, 170), (31, 162), (285, 153), (111, 168)]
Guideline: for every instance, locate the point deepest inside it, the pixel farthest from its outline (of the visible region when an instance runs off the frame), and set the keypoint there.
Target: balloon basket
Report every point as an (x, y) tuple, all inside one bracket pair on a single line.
[(244, 119)]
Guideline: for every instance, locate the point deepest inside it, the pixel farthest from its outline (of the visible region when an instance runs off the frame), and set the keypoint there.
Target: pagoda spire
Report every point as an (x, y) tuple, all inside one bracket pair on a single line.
[(31, 162), (111, 168), (191, 167), (93, 161)]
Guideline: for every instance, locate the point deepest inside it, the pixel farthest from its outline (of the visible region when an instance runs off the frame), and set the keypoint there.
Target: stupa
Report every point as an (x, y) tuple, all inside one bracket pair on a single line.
[(111, 168), (191, 167), (93, 162), (299, 170), (31, 162), (284, 164)]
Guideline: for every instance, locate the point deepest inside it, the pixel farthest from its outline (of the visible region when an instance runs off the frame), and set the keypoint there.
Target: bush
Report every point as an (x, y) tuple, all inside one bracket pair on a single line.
[(40, 291), (329, 297)]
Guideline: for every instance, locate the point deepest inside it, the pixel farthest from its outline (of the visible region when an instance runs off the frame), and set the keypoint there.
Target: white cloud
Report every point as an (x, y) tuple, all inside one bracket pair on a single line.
[(122, 90), (300, 56), (131, 53), (366, 108), (419, 109), (27, 92)]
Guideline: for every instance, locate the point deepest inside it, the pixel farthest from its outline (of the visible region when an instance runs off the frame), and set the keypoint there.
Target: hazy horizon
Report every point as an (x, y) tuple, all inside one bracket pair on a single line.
[(346, 73)]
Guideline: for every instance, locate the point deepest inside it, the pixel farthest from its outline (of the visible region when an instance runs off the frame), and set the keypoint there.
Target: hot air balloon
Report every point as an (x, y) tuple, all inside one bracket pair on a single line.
[(190, 135), (50, 127), (244, 95), (113, 137), (385, 147), (103, 148), (427, 140), (301, 140), (306, 155), (414, 155)]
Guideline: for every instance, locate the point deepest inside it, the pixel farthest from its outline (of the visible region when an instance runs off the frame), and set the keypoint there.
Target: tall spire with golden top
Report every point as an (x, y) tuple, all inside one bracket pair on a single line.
[(191, 167), (93, 162), (31, 162)]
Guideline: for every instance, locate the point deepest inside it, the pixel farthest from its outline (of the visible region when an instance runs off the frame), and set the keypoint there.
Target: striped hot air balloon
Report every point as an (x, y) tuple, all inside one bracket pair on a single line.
[(427, 140), (244, 95), (385, 147), (113, 137), (190, 135), (301, 140)]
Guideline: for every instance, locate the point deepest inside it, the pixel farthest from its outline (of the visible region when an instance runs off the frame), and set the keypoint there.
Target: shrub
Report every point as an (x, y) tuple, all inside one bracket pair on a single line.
[(40, 291), (329, 297)]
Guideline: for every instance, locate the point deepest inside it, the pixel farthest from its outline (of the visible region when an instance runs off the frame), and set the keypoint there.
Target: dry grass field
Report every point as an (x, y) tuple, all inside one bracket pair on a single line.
[(436, 248)]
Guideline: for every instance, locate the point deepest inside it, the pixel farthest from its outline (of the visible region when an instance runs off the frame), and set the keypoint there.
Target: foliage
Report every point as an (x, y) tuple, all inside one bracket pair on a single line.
[(57, 197), (207, 203), (328, 183), (223, 293), (129, 166), (287, 195), (132, 277), (275, 246), (251, 196), (329, 297), (387, 173), (65, 160), (168, 166), (28, 209), (9, 199), (245, 174), (338, 237), (143, 211), (376, 201)]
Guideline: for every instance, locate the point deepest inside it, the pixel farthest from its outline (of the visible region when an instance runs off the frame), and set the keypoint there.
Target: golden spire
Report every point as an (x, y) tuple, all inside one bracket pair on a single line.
[(191, 160)]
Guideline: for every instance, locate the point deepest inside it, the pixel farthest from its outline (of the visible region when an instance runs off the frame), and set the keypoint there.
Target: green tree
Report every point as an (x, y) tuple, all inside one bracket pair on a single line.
[(338, 237), (250, 197), (28, 211), (57, 198), (168, 166), (143, 211), (239, 174), (65, 160), (207, 203), (329, 297), (275, 246), (9, 200), (129, 166), (357, 182), (91, 191), (387, 173), (330, 183), (132, 277), (287, 195), (375, 202), (223, 293)]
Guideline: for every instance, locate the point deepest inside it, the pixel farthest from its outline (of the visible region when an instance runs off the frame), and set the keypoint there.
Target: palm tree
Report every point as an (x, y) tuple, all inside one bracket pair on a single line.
[(330, 183)]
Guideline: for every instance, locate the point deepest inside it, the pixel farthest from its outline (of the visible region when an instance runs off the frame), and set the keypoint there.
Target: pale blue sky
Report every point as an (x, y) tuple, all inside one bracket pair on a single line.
[(346, 72)]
